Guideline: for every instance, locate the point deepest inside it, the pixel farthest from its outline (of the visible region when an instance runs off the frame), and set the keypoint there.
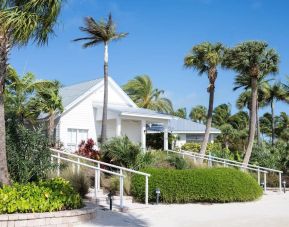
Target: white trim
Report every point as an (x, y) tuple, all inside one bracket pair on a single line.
[(146, 116), (192, 132)]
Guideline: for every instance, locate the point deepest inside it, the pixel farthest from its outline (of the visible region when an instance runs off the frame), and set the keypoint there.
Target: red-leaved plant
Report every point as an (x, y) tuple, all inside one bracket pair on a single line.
[(87, 150)]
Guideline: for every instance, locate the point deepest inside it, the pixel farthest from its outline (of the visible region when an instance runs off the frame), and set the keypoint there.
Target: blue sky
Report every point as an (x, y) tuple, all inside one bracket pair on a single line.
[(161, 33)]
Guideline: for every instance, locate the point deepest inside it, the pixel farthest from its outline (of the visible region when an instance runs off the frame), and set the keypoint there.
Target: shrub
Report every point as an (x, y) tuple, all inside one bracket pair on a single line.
[(28, 154), (87, 150), (45, 196), (121, 151), (112, 184), (197, 185)]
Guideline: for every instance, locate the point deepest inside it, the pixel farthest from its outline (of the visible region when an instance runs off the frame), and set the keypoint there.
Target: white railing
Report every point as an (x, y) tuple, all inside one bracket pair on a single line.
[(227, 162), (98, 168)]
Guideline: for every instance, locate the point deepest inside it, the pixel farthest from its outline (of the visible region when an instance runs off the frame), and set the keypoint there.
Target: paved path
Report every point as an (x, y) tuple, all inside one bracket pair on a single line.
[(270, 211)]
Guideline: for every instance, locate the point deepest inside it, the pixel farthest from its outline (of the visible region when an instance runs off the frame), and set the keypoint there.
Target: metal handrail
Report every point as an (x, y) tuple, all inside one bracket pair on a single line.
[(98, 169), (228, 162)]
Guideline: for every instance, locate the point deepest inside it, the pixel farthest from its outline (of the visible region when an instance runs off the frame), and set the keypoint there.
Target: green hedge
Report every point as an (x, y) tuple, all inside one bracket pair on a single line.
[(197, 185), (51, 195)]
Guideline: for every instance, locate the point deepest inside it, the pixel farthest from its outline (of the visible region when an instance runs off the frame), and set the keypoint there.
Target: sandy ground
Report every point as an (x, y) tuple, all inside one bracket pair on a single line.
[(271, 210)]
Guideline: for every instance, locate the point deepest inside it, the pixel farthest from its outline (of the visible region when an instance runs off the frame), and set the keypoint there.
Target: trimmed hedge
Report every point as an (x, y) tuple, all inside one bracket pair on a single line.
[(197, 185), (51, 195)]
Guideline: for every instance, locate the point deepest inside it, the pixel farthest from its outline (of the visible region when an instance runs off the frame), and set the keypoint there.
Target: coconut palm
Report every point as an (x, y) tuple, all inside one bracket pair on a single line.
[(205, 58), (275, 92), (199, 113), (255, 59), (101, 32), (49, 101), (142, 92), (181, 112), (21, 21)]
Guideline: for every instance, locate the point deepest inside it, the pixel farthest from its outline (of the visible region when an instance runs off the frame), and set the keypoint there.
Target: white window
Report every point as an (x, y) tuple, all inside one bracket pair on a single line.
[(75, 136)]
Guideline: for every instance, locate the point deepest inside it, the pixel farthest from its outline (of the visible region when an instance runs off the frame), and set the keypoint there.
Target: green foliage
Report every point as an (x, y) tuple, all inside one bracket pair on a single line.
[(141, 91), (199, 114), (79, 181), (121, 151), (197, 185), (46, 196), (28, 154)]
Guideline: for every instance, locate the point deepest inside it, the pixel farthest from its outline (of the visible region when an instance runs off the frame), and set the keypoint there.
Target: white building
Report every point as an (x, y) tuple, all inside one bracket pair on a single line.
[(81, 118)]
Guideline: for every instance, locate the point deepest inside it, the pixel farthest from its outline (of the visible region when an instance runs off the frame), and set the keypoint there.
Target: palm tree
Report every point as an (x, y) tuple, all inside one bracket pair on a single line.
[(181, 112), (275, 92), (141, 91), (199, 114), (205, 58), (18, 93), (49, 101), (21, 21), (101, 32), (221, 114), (255, 59)]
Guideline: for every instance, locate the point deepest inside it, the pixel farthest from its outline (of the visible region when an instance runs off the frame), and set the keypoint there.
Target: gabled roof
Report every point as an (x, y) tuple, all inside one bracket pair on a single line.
[(180, 125), (72, 92)]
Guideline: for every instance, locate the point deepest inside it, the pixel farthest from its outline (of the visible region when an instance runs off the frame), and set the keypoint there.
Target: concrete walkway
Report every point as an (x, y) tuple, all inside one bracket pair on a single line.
[(271, 210)]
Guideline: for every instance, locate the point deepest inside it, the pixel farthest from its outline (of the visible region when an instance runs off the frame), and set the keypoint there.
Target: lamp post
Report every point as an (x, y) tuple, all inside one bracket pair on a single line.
[(158, 192), (284, 186), (110, 199)]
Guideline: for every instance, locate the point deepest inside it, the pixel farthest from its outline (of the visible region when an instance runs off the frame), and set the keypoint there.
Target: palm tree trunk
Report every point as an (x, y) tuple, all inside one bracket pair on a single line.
[(105, 95), (4, 51), (257, 123), (253, 114), (209, 118), (273, 121), (51, 127)]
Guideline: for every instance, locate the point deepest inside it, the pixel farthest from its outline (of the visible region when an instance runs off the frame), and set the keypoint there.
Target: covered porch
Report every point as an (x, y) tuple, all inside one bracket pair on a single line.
[(131, 122)]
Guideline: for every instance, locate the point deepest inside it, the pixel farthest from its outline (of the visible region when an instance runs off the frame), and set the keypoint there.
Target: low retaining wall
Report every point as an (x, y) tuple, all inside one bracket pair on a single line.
[(65, 218)]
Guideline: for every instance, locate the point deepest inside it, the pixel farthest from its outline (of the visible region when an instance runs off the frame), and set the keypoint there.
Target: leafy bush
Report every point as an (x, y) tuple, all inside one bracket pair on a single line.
[(87, 150), (28, 154), (112, 184), (197, 185), (121, 151), (45, 196)]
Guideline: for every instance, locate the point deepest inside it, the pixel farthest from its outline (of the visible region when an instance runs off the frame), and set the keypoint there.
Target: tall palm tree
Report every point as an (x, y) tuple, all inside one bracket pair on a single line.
[(205, 58), (255, 59), (199, 114), (142, 92), (49, 101), (101, 32), (275, 92), (21, 21)]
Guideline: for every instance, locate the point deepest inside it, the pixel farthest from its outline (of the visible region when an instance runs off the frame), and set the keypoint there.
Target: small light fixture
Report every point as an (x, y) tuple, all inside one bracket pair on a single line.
[(110, 194), (262, 185), (284, 186), (158, 192)]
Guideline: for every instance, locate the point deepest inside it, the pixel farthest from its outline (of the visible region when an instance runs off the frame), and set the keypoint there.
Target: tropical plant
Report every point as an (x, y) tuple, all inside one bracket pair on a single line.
[(18, 92), (255, 59), (86, 149), (199, 113), (121, 151), (221, 114), (20, 22), (101, 32), (274, 92), (205, 58), (49, 101), (142, 92), (181, 113)]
